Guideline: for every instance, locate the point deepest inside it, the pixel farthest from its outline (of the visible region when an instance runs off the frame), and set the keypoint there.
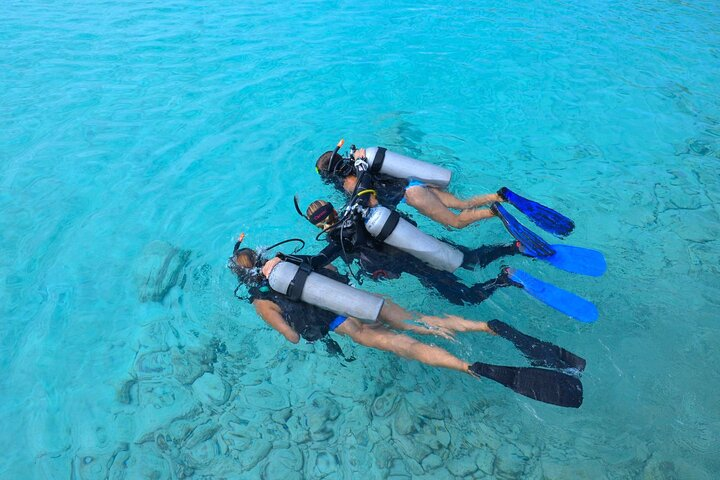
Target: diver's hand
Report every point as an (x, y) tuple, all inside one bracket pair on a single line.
[(269, 265), (432, 320), (360, 165), (359, 154), (430, 329), (457, 324), (438, 332)]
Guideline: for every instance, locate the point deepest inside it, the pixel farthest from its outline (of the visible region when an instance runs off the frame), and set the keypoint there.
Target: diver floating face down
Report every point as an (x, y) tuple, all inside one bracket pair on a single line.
[(246, 263)]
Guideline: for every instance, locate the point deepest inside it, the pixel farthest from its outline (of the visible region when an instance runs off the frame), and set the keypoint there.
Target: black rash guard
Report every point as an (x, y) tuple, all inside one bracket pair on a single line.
[(389, 190), (310, 322), (379, 261)]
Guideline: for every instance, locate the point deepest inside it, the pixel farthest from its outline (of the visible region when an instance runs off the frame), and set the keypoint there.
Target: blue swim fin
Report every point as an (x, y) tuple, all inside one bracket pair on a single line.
[(583, 261), (533, 244), (542, 216), (555, 297)]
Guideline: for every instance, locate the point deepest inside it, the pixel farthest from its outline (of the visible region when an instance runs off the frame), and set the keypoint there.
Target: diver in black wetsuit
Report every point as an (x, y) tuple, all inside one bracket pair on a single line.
[(377, 260)]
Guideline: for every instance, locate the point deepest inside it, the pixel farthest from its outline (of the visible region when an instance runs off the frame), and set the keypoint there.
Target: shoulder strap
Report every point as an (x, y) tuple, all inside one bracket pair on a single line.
[(297, 284), (389, 226), (378, 160)]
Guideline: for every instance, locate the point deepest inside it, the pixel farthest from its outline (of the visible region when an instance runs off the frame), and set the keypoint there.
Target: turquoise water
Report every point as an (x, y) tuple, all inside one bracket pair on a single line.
[(137, 139)]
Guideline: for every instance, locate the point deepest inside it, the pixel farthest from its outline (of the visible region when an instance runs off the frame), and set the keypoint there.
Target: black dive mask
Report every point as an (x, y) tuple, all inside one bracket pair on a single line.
[(340, 166), (321, 214)]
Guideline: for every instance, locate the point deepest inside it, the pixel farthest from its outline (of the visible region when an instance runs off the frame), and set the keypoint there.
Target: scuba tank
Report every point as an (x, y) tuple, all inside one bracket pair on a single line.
[(298, 282), (381, 160), (388, 226)]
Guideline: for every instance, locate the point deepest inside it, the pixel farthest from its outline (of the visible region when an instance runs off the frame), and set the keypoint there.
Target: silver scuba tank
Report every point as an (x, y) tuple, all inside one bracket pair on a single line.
[(408, 238), (395, 165), (324, 292)]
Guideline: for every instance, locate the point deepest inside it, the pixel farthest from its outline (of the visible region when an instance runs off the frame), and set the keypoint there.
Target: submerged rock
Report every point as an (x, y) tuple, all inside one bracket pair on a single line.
[(211, 389), (127, 393), (384, 404), (509, 462), (158, 270), (485, 461), (325, 464), (431, 462), (285, 463), (462, 466), (657, 469)]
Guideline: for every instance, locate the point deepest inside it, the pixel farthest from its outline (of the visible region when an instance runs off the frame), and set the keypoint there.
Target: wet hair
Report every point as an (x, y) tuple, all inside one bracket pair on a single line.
[(323, 162), (245, 258), (335, 177), (319, 210), (246, 264)]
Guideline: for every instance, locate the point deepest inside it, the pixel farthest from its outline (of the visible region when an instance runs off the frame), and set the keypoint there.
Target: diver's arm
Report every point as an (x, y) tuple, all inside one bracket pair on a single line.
[(270, 312), (326, 256)]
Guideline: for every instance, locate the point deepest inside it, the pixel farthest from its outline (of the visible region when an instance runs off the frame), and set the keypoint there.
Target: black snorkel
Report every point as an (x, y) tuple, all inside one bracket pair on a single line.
[(296, 201), (333, 164), (338, 167)]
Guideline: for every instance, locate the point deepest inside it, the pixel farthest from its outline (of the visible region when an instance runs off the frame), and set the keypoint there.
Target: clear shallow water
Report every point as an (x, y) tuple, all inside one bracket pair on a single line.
[(125, 125)]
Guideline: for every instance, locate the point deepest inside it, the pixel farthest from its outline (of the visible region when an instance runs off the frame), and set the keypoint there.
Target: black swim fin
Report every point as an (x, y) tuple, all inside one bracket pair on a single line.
[(542, 216), (540, 353), (548, 386)]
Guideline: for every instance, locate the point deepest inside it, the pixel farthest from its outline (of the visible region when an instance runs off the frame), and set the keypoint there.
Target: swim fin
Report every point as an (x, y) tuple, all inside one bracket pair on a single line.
[(540, 353), (542, 216), (555, 297), (533, 244), (548, 386), (583, 261)]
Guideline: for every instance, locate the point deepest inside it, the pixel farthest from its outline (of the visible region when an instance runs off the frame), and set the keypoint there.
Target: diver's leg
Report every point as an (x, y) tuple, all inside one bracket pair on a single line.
[(379, 337), (486, 254), (445, 283), (451, 201), (427, 202)]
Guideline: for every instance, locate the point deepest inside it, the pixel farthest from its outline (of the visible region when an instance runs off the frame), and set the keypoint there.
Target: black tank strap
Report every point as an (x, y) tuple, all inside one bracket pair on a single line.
[(389, 226), (378, 160), (297, 284)]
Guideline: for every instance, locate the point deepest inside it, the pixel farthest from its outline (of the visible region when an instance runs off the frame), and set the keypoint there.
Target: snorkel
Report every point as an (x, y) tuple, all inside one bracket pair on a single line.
[(338, 167)]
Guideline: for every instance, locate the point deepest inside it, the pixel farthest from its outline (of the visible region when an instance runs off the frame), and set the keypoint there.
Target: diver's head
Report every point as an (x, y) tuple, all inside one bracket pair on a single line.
[(322, 214), (246, 264), (331, 166)]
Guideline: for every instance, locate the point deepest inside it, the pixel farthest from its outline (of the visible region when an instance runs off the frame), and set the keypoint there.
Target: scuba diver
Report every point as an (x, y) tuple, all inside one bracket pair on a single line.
[(381, 261), (386, 244), (397, 178), (298, 301)]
